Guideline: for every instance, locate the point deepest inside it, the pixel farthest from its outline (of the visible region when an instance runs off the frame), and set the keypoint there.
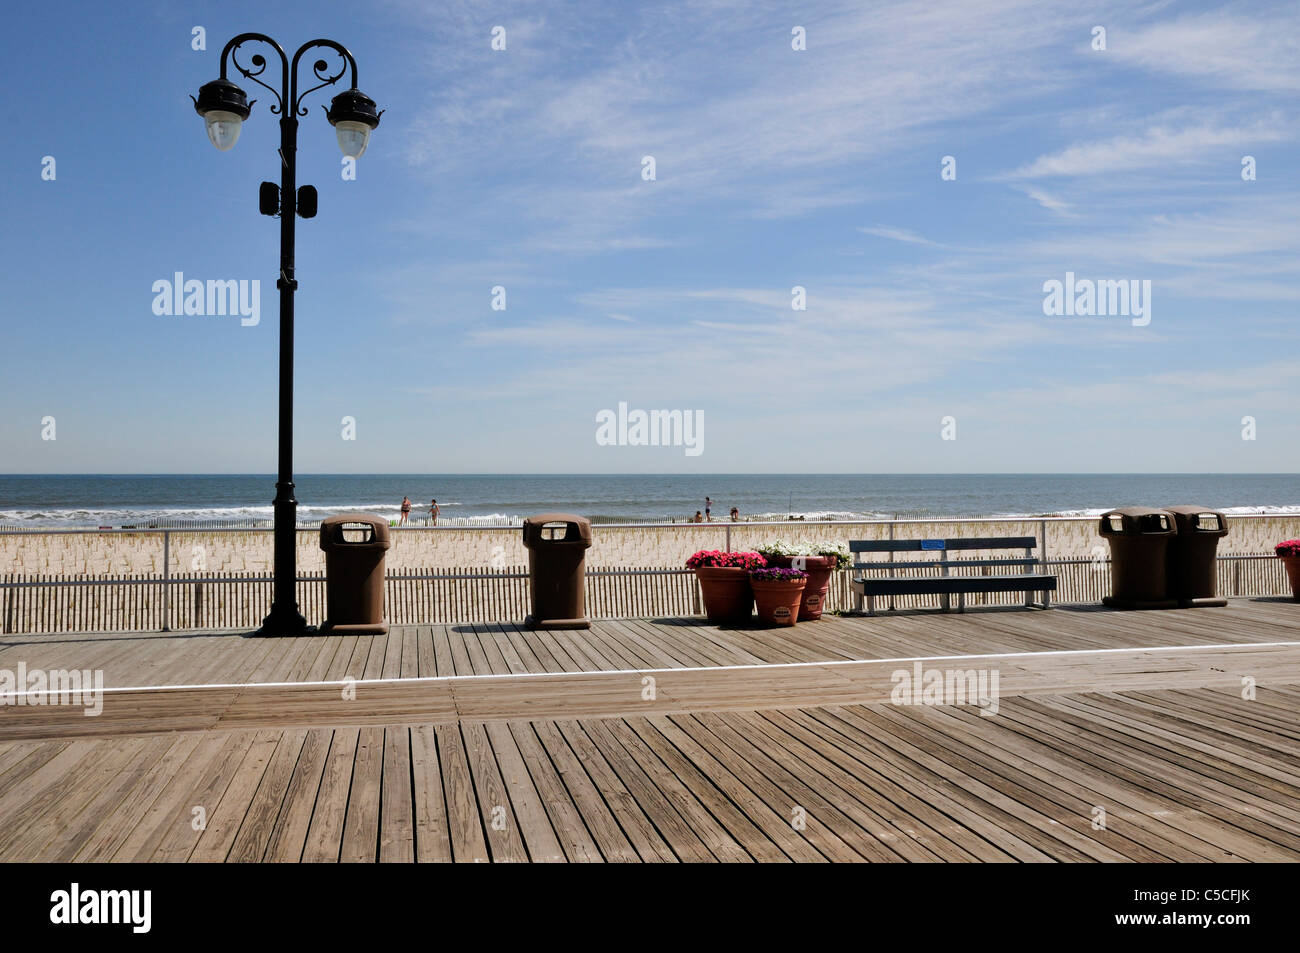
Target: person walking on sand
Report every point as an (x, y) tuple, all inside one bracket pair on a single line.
[(406, 511), (434, 510), (735, 515), (708, 509)]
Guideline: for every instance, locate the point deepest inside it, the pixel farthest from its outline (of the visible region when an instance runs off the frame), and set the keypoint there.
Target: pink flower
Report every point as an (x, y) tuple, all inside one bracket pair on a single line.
[(718, 559)]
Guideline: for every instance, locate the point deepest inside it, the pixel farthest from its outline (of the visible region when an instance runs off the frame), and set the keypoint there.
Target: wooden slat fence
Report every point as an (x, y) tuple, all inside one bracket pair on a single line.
[(210, 600)]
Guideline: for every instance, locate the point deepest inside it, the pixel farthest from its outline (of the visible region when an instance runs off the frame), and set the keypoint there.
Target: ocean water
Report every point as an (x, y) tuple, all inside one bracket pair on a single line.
[(109, 500)]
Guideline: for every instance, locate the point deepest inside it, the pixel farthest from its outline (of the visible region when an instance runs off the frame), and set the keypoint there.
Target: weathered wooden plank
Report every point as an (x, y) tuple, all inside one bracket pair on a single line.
[(504, 836), (193, 809), (119, 821), (631, 799), (325, 834), (429, 807), (606, 837), (526, 803), (670, 788), (396, 820), (63, 811), (254, 833), (289, 834), (215, 840), (361, 830), (464, 821)]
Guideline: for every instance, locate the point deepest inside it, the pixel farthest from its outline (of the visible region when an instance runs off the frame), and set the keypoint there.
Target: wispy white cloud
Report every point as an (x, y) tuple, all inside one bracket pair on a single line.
[(1242, 46), (1153, 149), (897, 235), (1049, 202), (1249, 233), (772, 136), (1132, 154)]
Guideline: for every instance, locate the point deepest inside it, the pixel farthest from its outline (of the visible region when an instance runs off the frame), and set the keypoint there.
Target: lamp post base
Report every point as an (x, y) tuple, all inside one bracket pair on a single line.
[(284, 622)]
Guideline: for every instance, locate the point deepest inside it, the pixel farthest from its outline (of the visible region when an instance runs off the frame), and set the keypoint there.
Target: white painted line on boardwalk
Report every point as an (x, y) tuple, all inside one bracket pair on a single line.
[(429, 679)]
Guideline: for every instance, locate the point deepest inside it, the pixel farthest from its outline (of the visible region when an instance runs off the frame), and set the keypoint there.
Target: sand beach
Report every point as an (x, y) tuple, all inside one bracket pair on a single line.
[(419, 548)]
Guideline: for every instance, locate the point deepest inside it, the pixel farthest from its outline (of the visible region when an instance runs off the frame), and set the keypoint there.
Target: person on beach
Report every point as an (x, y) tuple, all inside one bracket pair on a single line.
[(699, 517), (708, 509), (406, 511), (434, 510), (735, 515)]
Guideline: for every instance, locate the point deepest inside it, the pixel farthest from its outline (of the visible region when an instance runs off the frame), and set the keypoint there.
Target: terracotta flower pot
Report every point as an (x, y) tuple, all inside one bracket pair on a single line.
[(727, 593), (778, 600), (819, 569), (1292, 564)]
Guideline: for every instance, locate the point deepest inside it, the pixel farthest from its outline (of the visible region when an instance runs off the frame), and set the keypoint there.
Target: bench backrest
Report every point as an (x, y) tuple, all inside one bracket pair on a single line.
[(943, 547)]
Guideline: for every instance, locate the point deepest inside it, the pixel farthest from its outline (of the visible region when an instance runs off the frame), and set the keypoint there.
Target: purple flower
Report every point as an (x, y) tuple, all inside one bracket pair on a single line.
[(778, 575)]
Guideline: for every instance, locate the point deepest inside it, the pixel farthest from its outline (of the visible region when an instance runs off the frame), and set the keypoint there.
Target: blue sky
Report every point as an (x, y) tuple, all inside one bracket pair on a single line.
[(775, 168)]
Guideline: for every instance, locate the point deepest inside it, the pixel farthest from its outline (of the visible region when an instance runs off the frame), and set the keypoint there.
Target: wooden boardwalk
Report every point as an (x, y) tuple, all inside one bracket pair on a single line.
[(1180, 776), (1117, 736), (153, 658)]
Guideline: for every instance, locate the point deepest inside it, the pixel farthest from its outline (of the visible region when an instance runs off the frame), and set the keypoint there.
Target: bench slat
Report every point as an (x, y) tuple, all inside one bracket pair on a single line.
[(917, 545), (879, 564), (937, 585)]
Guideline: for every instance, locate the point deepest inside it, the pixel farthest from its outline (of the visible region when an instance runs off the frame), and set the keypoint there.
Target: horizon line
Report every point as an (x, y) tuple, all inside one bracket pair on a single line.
[(653, 473)]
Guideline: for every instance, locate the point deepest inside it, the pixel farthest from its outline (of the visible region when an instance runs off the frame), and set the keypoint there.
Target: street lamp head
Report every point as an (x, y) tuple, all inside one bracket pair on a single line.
[(224, 107), (352, 113)]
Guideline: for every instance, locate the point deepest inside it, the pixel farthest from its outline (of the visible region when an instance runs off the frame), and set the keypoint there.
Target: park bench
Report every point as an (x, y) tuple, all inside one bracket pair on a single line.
[(943, 584)]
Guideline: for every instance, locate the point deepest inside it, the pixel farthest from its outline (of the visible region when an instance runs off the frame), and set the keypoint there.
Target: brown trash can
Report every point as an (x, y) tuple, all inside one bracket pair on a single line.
[(1193, 570), (355, 545), (1139, 538), (557, 546)]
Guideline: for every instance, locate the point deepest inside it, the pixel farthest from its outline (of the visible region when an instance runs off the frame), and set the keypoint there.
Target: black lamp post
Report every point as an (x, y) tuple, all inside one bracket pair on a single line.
[(224, 107)]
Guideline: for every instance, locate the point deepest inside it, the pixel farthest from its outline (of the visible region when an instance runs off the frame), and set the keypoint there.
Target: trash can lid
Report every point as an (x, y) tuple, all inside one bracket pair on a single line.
[(332, 529), (577, 529), (1138, 521), (1201, 520)]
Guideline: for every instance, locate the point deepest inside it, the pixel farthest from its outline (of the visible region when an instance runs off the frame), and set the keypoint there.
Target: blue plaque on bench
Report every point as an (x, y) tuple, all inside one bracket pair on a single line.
[(932, 544)]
